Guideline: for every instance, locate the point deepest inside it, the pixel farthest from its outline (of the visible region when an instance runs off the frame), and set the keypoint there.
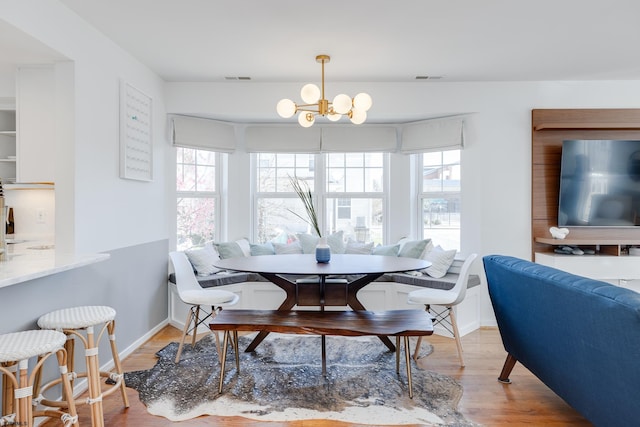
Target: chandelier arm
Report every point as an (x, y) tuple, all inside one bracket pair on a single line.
[(302, 108)]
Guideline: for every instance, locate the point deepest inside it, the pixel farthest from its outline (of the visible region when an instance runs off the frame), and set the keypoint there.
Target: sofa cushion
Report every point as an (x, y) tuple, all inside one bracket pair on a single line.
[(445, 282)]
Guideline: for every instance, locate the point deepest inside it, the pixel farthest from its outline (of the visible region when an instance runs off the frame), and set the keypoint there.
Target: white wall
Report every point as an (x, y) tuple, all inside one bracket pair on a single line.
[(96, 210), (102, 211), (496, 181)]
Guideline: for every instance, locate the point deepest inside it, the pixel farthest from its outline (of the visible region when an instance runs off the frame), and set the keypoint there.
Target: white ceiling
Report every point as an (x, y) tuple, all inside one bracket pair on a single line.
[(375, 40)]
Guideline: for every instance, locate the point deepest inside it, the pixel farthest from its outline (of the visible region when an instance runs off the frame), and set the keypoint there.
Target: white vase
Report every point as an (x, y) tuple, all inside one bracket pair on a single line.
[(323, 251)]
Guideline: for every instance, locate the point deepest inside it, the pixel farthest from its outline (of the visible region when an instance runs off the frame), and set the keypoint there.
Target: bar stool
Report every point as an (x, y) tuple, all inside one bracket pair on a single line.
[(15, 351), (72, 321)]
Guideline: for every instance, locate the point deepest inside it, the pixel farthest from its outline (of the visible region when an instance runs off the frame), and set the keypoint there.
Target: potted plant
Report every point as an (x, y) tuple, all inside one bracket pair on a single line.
[(323, 252)]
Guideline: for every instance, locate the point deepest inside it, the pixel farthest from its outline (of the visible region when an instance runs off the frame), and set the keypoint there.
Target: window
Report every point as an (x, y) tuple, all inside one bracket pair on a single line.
[(198, 198), (347, 187), (279, 211), (355, 198), (440, 197)]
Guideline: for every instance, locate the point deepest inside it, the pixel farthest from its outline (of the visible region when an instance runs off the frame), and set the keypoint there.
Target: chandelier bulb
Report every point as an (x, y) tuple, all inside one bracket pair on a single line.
[(342, 104), (333, 116), (306, 119), (357, 116), (286, 108), (362, 101), (310, 93)]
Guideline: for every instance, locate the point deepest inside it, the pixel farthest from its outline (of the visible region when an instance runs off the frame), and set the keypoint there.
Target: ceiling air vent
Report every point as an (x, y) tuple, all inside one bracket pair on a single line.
[(237, 78), (428, 77)]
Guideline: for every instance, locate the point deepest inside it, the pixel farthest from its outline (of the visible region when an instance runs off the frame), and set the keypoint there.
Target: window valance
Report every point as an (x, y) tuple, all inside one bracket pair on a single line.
[(359, 139), (205, 134), (282, 139), (433, 135), (295, 139)]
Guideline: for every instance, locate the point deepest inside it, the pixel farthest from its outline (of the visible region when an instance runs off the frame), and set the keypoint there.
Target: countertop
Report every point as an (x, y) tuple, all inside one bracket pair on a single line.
[(34, 259)]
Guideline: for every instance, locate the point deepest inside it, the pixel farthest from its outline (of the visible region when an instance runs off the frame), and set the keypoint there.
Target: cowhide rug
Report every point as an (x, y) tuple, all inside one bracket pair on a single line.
[(282, 381)]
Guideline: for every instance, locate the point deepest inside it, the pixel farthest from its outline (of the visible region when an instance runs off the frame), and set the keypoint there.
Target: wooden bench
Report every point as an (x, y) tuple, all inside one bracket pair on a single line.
[(398, 323)]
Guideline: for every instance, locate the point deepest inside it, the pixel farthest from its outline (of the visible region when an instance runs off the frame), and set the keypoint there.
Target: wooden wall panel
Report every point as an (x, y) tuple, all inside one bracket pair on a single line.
[(549, 127)]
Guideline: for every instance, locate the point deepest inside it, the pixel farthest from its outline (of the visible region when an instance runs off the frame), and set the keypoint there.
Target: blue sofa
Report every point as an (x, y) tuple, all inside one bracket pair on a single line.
[(581, 337)]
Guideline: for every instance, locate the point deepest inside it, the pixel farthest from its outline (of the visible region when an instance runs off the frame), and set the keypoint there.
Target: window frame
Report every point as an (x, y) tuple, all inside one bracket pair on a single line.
[(320, 193), (216, 194), (422, 194)]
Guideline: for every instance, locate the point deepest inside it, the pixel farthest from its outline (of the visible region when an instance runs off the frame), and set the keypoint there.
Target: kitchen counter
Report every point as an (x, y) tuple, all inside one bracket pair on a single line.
[(32, 260)]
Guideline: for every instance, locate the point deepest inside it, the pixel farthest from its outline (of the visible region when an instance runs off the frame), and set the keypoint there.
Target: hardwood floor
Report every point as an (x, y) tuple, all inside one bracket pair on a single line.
[(526, 401)]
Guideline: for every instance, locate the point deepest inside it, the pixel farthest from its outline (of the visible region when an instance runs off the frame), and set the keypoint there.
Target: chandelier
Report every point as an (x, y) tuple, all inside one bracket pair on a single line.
[(316, 105)]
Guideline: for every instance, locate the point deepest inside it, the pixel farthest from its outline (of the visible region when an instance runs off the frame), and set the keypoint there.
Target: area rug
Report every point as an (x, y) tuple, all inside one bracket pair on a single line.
[(282, 381)]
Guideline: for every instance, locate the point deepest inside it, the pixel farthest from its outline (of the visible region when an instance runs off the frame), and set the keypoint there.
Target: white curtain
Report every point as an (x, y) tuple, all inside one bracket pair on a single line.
[(433, 135), (206, 134)]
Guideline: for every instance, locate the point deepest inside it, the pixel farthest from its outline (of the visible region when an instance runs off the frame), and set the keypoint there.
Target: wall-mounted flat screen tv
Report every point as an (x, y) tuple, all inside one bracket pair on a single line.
[(600, 183)]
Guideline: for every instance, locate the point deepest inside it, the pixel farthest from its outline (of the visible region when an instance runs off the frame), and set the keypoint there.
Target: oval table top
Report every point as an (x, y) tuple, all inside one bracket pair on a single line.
[(306, 264)]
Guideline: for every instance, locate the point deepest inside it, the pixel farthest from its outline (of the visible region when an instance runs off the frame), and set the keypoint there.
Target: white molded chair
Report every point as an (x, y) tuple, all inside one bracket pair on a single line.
[(192, 293), (448, 299)]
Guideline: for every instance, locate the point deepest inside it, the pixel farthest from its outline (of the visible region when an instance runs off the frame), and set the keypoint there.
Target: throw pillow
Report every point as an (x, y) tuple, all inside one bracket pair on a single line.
[(389, 250), (244, 246), (308, 242), (264, 249), (413, 248), (354, 247), (441, 260), (334, 240), (202, 259), (233, 249), (290, 248)]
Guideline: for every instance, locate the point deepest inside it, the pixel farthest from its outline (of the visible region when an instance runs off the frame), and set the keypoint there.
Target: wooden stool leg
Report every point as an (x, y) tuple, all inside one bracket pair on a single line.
[(111, 327), (23, 396), (407, 358), (93, 378), (397, 354), (235, 349), (7, 388), (224, 359), (69, 347), (67, 390)]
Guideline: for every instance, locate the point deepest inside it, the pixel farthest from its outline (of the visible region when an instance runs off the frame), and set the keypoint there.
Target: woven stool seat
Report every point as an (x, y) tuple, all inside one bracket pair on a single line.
[(77, 317), (25, 345), (19, 385)]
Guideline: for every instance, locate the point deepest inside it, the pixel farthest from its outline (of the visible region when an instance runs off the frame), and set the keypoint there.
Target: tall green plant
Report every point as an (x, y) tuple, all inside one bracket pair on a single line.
[(302, 190)]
